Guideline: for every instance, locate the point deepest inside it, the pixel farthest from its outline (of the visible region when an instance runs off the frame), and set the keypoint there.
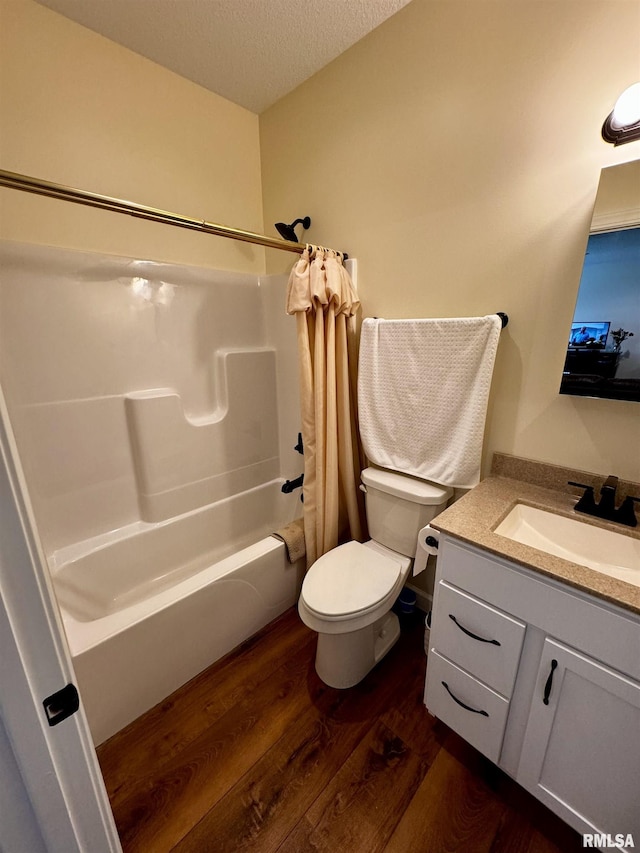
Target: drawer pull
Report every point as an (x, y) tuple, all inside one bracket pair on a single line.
[(469, 634), (466, 707), (547, 687)]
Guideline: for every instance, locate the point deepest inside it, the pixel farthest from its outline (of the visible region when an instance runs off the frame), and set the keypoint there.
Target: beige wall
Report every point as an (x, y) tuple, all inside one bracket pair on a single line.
[(456, 153), (79, 110)]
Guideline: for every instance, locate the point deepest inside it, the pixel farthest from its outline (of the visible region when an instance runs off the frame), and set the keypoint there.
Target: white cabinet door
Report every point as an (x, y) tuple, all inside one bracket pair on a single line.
[(581, 752)]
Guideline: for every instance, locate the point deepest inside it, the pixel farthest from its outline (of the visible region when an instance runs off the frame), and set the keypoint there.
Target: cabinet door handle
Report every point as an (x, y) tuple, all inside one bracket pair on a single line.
[(469, 634), (466, 707), (547, 687)]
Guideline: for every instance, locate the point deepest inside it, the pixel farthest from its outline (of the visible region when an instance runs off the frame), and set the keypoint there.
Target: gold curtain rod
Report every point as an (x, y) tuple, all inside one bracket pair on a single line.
[(33, 185)]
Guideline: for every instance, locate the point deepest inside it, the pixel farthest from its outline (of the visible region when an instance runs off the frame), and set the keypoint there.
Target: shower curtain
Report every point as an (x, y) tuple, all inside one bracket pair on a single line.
[(323, 299)]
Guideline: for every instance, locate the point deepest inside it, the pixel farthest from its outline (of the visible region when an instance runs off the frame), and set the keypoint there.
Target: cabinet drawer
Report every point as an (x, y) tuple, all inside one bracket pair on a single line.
[(449, 689), (477, 637)]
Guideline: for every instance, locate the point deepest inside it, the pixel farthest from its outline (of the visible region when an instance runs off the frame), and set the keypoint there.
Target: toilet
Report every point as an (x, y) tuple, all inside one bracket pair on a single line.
[(348, 593)]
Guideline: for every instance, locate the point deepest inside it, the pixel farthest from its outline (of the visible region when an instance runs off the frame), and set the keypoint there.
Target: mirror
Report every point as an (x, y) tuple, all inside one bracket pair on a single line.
[(603, 344)]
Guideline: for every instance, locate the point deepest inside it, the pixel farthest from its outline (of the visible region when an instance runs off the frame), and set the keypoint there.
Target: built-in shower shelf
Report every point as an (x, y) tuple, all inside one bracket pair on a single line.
[(182, 462)]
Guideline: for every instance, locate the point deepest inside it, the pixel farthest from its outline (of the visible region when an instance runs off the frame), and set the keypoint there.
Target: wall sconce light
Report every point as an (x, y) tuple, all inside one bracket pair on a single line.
[(623, 123)]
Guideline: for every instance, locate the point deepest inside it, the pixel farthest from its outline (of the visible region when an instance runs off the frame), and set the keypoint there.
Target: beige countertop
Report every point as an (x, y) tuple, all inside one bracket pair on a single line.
[(474, 517)]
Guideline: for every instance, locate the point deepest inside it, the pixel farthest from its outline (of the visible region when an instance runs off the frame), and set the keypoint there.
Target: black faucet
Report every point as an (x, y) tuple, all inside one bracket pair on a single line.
[(606, 507)]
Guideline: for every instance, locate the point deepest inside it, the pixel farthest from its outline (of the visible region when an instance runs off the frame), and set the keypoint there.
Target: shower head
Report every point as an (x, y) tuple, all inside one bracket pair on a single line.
[(287, 232)]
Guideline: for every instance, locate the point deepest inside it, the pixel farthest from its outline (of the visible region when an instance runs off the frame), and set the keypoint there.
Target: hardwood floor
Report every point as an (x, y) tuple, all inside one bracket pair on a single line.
[(257, 754)]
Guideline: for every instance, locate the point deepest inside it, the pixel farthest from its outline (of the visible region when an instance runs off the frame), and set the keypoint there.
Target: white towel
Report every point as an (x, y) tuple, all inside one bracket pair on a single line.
[(423, 387)]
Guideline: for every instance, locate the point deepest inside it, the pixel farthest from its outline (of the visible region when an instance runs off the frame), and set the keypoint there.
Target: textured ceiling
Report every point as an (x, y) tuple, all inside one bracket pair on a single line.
[(251, 52)]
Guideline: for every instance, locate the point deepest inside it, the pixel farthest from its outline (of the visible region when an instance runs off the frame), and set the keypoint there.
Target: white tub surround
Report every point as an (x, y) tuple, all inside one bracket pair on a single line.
[(87, 340)]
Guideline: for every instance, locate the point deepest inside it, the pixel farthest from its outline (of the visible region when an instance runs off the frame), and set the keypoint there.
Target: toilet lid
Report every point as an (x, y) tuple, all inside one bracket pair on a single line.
[(349, 579)]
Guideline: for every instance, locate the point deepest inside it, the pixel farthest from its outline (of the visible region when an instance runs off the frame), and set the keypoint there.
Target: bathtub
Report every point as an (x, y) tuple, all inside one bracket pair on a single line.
[(149, 606)]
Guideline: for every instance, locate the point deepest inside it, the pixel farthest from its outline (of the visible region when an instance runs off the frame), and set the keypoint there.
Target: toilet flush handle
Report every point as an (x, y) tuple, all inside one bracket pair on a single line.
[(363, 488)]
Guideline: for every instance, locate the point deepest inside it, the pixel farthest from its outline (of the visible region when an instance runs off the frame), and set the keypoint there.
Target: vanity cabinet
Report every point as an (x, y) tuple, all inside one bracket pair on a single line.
[(544, 680)]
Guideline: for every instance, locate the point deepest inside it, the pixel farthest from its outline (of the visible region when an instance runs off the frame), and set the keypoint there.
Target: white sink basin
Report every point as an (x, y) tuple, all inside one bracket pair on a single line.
[(613, 554)]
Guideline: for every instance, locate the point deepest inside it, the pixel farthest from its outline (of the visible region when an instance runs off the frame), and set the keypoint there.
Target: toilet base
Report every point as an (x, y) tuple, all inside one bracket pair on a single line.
[(343, 660)]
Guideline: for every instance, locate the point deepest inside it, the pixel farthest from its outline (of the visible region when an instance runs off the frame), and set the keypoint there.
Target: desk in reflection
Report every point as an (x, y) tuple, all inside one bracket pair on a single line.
[(592, 373)]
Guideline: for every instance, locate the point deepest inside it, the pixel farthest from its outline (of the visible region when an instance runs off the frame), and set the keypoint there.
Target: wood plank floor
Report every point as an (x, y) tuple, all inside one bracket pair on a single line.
[(257, 754)]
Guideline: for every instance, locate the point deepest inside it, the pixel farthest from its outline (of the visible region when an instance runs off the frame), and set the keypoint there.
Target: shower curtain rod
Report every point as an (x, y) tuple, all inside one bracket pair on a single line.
[(25, 183)]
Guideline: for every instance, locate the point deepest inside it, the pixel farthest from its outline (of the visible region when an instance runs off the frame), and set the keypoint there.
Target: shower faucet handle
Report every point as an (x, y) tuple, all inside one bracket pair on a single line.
[(299, 446)]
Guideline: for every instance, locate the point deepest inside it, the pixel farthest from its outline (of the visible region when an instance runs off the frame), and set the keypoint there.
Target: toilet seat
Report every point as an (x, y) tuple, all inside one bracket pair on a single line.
[(351, 580)]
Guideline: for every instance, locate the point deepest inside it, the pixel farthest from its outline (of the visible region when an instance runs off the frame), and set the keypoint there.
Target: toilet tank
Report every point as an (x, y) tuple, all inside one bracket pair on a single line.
[(398, 506)]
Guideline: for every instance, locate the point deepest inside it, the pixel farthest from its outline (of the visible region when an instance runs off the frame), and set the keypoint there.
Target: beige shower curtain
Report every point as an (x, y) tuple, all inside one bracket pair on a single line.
[(323, 298)]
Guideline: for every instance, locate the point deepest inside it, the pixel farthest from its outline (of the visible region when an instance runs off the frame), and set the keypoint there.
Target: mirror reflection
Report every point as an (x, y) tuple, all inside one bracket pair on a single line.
[(603, 345)]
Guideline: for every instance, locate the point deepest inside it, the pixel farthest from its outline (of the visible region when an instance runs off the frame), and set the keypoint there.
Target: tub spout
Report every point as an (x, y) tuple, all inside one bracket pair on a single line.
[(290, 485)]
